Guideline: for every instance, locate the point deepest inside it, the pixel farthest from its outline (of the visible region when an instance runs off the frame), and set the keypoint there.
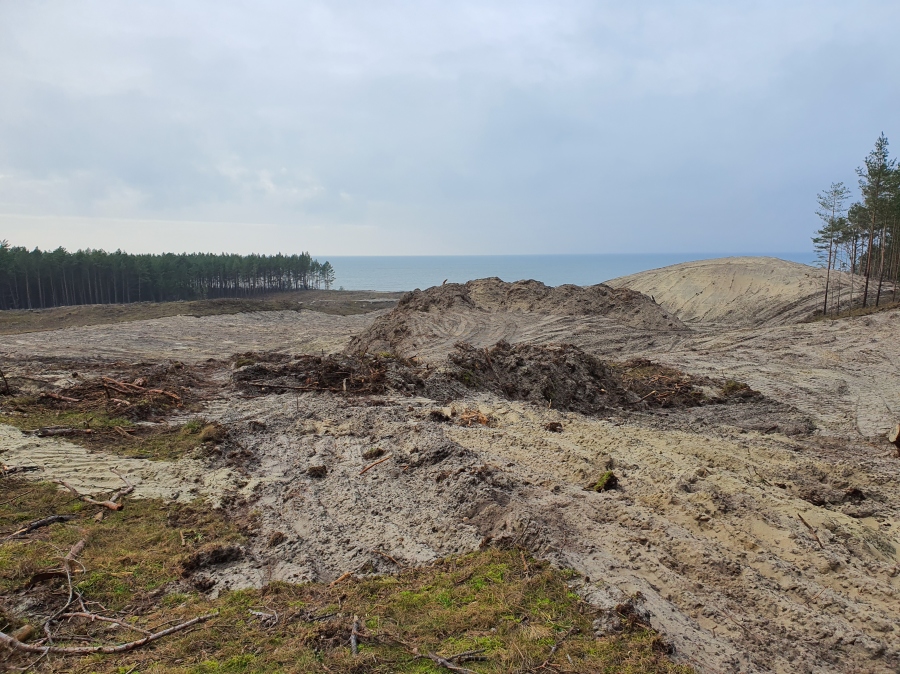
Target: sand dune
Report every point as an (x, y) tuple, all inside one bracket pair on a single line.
[(733, 291)]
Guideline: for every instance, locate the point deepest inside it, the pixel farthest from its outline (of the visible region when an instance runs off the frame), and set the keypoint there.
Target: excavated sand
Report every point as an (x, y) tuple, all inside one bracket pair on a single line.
[(733, 291), (706, 523), (91, 472), (426, 324), (192, 339)]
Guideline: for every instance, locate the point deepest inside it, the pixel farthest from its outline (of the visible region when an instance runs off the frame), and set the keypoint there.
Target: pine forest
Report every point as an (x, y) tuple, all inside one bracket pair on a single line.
[(35, 279)]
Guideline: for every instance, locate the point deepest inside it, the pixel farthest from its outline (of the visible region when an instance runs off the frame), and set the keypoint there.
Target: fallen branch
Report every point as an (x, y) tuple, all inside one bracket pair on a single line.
[(449, 663), (125, 432), (17, 645), (73, 553), (56, 396), (123, 384), (111, 503), (12, 470), (267, 619), (93, 616), (372, 465), (37, 524), (386, 556), (812, 531), (340, 579), (556, 646), (173, 396), (53, 431), (117, 389), (354, 636), (69, 487), (644, 398)]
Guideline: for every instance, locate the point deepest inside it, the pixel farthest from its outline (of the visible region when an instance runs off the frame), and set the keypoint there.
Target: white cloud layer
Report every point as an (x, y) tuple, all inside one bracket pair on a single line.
[(435, 127)]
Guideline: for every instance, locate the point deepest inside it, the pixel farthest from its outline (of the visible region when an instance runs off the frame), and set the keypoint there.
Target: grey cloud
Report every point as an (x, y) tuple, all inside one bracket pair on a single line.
[(378, 127)]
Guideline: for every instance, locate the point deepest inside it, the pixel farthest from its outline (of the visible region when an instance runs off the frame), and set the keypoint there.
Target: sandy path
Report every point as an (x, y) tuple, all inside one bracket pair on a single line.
[(190, 338)]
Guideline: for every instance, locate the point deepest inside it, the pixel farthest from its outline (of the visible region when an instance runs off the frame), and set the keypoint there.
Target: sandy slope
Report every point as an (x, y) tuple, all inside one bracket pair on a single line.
[(733, 291)]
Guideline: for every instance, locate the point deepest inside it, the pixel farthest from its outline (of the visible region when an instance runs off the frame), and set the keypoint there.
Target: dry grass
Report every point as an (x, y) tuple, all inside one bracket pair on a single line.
[(113, 434), (502, 601)]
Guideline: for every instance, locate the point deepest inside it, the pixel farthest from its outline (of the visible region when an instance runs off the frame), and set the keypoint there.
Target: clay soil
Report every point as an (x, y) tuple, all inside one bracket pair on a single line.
[(754, 512)]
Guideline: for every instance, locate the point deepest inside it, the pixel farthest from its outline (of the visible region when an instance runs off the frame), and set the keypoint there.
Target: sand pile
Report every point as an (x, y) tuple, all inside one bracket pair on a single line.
[(733, 291), (498, 310)]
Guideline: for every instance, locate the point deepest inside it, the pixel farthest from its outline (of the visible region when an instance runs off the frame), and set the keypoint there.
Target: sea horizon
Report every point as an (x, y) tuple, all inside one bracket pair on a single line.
[(392, 273)]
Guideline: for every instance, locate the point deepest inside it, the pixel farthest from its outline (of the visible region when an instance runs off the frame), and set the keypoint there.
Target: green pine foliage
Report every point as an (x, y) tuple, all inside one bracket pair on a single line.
[(36, 279), (859, 246)]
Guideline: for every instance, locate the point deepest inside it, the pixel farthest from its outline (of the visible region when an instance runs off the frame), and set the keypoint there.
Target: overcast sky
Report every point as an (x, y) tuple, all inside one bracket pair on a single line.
[(360, 128)]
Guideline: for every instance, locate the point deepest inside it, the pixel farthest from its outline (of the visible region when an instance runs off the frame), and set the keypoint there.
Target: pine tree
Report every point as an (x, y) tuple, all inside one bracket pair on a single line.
[(831, 211), (875, 179)]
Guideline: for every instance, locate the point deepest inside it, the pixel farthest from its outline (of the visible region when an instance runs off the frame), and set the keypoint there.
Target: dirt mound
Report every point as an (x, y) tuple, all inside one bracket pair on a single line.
[(401, 330), (564, 377), (352, 374), (561, 376), (733, 291)]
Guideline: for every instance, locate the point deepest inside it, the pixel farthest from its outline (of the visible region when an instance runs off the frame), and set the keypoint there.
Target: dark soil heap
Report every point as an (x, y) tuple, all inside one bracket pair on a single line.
[(352, 374), (561, 376), (622, 305), (566, 377)]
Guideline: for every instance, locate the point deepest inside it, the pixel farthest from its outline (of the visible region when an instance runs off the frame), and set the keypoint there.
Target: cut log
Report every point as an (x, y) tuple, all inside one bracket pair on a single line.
[(55, 431)]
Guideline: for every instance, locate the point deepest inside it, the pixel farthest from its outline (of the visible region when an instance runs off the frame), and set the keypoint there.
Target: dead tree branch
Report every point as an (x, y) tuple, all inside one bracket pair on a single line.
[(354, 636), (812, 531), (37, 524), (91, 617), (17, 645), (372, 465)]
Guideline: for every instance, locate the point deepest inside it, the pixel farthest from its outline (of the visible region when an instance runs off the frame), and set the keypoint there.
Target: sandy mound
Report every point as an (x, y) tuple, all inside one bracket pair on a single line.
[(488, 310), (733, 291)]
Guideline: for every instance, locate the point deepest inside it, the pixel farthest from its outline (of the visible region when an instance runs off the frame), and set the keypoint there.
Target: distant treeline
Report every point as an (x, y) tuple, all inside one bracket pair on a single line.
[(35, 279), (859, 245)]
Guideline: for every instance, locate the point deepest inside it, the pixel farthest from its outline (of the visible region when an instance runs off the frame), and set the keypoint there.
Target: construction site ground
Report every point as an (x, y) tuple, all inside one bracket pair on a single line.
[(754, 511)]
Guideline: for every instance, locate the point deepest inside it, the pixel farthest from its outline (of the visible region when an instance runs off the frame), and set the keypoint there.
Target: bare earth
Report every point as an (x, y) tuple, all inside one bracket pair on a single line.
[(761, 536)]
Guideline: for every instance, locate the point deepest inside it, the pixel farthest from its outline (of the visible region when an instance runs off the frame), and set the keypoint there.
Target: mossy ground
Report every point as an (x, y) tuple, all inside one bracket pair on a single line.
[(502, 601)]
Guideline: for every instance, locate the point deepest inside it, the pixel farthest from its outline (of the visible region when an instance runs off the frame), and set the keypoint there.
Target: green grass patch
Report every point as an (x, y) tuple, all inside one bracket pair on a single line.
[(511, 607)]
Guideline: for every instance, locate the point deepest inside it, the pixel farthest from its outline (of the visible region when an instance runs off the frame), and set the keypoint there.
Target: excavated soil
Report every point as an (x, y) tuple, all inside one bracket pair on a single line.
[(760, 530), (486, 311)]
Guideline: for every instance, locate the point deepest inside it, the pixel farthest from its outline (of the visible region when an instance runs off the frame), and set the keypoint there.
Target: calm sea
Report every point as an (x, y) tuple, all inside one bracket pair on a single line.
[(409, 272)]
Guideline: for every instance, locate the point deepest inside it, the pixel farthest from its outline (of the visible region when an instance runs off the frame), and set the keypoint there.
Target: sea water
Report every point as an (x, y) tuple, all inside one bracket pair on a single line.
[(409, 272)]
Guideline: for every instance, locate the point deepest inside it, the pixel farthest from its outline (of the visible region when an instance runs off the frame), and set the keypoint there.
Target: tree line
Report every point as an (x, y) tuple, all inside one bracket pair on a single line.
[(859, 244), (36, 279)]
